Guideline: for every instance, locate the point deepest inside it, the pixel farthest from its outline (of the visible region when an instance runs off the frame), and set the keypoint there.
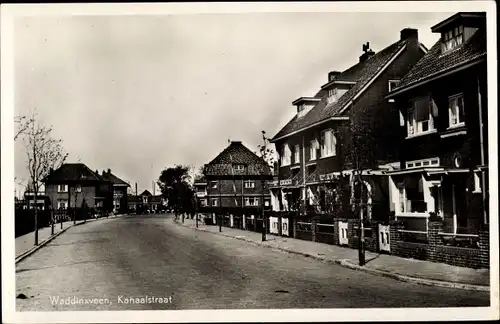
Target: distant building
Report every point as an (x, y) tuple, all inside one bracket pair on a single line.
[(75, 184), (119, 192), (200, 185), (146, 201), (234, 181)]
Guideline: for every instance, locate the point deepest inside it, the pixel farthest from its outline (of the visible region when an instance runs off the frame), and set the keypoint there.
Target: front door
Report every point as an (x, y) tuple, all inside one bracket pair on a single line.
[(383, 238), (343, 238)]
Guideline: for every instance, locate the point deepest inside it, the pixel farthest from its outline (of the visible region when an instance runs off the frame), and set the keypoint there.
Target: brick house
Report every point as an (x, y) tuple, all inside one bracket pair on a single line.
[(119, 191), (74, 184), (316, 147), (443, 140), (236, 181)]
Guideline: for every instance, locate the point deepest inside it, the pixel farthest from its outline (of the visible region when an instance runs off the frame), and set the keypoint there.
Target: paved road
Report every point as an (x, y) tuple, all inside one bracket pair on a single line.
[(179, 268)]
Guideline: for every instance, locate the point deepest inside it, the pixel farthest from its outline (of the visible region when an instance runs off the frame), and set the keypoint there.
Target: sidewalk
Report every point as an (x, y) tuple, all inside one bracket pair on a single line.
[(26, 242), (424, 272)]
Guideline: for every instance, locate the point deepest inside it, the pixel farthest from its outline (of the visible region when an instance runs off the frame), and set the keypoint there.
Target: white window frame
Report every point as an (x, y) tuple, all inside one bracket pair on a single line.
[(214, 184), (313, 146), (62, 188), (402, 198), (249, 184), (214, 202), (328, 151), (286, 157), (431, 162), (452, 38), (239, 167), (332, 95), (455, 99), (296, 152), (477, 182), (414, 128), (254, 200), (62, 202), (78, 188), (391, 82)]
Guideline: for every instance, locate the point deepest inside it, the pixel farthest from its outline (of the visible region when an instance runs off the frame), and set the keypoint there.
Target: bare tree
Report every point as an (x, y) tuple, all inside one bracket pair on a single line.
[(22, 124), (44, 153)]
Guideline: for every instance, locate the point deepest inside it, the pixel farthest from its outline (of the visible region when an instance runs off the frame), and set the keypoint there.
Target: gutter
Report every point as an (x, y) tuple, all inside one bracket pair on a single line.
[(436, 76)]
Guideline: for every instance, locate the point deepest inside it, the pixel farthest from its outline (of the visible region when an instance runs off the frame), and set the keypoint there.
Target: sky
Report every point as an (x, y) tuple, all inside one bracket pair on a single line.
[(137, 94)]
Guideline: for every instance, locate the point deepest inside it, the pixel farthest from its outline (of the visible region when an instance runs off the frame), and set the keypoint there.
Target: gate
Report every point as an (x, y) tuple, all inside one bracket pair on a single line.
[(383, 238), (343, 238), (284, 227)]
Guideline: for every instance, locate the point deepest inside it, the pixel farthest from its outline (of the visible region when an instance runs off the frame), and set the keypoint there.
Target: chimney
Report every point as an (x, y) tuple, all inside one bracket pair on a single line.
[(332, 75), (103, 172), (109, 171), (408, 33), (236, 142), (367, 52)]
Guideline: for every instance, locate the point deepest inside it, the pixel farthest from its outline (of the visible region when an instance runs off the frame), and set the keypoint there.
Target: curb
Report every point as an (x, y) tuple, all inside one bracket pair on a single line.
[(39, 246), (347, 264), (428, 282)]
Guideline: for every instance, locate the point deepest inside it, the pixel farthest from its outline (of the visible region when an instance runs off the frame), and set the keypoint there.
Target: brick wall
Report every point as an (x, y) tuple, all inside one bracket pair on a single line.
[(436, 251)]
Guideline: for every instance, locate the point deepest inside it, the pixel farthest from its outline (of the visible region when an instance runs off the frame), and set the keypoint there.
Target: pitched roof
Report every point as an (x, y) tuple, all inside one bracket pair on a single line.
[(114, 179), (146, 193), (74, 172), (237, 153), (200, 180), (361, 73), (434, 62)]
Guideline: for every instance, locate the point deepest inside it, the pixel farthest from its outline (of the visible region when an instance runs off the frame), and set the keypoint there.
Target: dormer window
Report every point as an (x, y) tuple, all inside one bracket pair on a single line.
[(452, 38), (334, 94)]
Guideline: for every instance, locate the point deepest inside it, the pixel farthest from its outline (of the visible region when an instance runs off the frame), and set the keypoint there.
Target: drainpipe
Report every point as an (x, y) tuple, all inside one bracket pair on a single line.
[(481, 144)]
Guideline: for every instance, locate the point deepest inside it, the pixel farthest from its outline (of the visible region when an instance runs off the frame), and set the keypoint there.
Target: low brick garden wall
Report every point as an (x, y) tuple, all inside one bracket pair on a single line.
[(440, 250)]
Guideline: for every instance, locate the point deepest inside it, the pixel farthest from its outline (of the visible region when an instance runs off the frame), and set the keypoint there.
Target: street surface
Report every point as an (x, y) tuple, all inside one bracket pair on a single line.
[(148, 262)]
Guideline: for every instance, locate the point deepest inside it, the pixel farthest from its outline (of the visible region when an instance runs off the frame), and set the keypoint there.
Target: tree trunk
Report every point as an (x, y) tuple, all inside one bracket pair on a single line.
[(36, 217)]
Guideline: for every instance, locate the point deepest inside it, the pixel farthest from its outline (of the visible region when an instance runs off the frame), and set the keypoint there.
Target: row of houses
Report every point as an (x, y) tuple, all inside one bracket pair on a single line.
[(402, 135), (75, 185)]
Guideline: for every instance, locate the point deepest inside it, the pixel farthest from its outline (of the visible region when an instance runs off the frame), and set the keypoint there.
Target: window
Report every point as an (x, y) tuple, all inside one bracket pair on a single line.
[(62, 188), (214, 202), (144, 199), (249, 184), (203, 203), (251, 201), (329, 143), (419, 116), (420, 163), (477, 182), (411, 195), (296, 157), (78, 188), (213, 184), (267, 203), (239, 167), (286, 156), (332, 95), (313, 147), (62, 204), (393, 84), (452, 38), (456, 110)]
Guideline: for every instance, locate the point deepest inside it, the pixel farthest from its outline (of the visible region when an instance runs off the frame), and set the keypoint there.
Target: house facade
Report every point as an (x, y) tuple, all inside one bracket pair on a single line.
[(147, 202), (443, 138), (347, 125), (74, 185), (236, 183), (119, 192)]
